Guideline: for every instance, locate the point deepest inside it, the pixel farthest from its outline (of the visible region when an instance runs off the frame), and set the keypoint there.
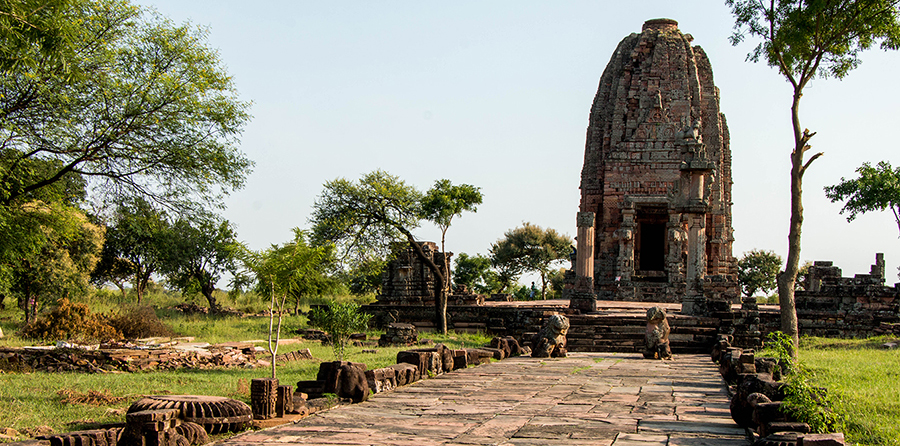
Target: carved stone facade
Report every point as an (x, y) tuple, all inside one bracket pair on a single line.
[(657, 174), (407, 280)]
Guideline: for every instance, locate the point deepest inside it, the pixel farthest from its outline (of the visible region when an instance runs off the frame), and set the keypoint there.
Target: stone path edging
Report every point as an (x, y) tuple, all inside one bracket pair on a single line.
[(586, 399)]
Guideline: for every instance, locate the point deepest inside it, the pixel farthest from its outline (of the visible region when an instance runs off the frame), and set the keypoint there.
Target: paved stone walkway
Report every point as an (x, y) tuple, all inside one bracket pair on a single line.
[(585, 399)]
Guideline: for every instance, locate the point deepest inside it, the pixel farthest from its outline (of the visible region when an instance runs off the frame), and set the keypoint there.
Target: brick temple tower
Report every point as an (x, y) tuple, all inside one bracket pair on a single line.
[(657, 174)]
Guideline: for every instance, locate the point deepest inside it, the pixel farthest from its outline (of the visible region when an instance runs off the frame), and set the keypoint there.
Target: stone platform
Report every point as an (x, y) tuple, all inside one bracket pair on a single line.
[(586, 399)]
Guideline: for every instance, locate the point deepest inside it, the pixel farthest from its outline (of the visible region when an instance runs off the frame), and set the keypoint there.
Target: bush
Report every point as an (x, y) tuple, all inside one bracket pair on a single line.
[(70, 321), (137, 322), (339, 320)]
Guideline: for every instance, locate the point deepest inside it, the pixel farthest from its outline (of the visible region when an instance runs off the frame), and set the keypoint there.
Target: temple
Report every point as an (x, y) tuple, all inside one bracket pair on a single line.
[(657, 176)]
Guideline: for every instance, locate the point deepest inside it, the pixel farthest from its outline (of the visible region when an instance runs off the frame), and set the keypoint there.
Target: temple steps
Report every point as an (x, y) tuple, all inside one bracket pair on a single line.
[(624, 332)]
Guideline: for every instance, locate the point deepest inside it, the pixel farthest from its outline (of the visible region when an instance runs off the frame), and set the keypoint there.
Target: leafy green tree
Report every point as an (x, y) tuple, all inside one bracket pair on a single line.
[(65, 249), (364, 277), (444, 201), (805, 39), (339, 320), (296, 269), (292, 269), (531, 248), (35, 31), (876, 189), (136, 242), (130, 101), (474, 272), (197, 254), (757, 271), (368, 216)]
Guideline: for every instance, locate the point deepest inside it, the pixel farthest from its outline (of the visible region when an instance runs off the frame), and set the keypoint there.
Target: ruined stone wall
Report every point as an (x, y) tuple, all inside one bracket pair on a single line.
[(843, 307), (656, 92)]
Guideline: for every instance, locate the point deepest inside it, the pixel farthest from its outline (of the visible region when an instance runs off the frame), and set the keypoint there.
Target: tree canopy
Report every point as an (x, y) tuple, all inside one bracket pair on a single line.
[(757, 271), (475, 273), (805, 39), (127, 100), (444, 201), (530, 248), (137, 240), (197, 254), (368, 216), (876, 189)]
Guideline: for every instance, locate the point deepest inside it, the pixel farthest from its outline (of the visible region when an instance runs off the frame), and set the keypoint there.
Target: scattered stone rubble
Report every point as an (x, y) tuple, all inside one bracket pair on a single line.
[(757, 395), (108, 358), (399, 334)]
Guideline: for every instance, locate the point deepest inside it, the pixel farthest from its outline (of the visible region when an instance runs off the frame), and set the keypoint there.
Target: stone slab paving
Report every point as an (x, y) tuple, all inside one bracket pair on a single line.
[(609, 399)]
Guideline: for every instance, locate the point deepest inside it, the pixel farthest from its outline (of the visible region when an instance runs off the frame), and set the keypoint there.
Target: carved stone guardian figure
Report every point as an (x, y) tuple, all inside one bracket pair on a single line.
[(551, 341), (657, 335)]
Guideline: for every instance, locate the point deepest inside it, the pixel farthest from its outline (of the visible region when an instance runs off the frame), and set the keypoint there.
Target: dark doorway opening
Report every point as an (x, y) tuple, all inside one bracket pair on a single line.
[(650, 243)]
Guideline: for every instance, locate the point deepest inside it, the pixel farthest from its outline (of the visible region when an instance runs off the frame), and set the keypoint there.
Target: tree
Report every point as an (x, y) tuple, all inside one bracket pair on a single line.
[(805, 39), (296, 269), (136, 241), (367, 216), (444, 201), (136, 105), (364, 277), (64, 250), (876, 189), (474, 272), (197, 254), (531, 248), (291, 269), (757, 271)]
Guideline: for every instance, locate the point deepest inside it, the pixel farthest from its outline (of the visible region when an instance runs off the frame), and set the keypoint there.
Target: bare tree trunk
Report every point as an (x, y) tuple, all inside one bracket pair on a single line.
[(788, 278)]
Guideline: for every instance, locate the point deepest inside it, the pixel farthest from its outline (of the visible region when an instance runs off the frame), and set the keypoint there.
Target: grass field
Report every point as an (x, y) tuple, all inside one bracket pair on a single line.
[(65, 402), (866, 377)]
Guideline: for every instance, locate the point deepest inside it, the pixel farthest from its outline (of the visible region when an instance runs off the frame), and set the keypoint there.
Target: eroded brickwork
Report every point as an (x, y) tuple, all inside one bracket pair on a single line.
[(657, 173)]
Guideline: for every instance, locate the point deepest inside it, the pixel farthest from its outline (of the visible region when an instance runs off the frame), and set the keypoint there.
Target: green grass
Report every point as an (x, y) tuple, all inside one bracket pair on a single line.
[(30, 400), (867, 378)]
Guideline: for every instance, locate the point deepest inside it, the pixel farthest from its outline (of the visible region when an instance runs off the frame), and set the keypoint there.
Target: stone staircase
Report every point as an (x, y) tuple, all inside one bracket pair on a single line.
[(624, 332)]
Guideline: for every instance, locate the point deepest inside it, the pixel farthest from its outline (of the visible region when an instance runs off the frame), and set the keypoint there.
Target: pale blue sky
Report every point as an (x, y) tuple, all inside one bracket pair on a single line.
[(497, 94)]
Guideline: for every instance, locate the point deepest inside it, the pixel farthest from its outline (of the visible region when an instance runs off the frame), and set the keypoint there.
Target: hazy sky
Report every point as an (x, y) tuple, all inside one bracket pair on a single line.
[(497, 94)]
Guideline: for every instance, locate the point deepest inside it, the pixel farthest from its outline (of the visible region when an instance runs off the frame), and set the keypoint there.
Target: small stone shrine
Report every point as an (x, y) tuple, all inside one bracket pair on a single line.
[(657, 175), (407, 280)]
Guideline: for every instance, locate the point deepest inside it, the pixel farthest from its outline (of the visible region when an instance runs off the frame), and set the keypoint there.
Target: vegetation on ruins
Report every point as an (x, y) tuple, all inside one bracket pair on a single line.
[(443, 202), (529, 248), (757, 271), (876, 189), (804, 40), (366, 217)]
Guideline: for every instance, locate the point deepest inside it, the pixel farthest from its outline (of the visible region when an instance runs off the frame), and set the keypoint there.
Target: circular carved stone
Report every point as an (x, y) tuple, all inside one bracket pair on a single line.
[(216, 414), (193, 432)]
